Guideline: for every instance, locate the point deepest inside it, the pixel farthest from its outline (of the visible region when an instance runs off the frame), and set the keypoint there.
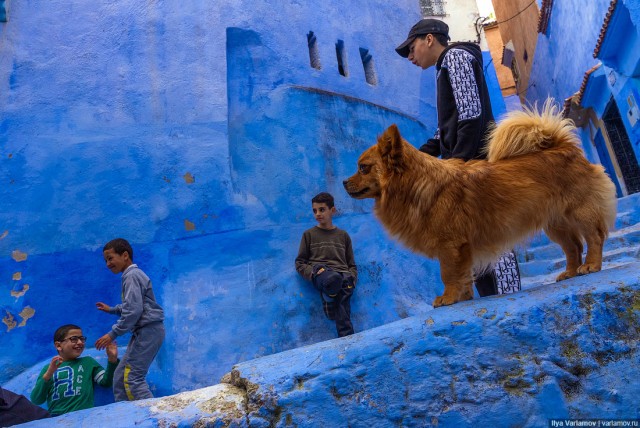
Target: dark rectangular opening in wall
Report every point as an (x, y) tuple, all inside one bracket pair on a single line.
[(314, 55), (342, 58), (369, 67)]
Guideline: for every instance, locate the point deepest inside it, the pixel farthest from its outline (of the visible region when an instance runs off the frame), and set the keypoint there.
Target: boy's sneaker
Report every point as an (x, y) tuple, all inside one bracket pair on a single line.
[(329, 310)]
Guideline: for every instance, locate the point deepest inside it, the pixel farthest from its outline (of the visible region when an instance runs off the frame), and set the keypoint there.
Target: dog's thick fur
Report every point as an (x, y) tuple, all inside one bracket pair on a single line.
[(467, 214)]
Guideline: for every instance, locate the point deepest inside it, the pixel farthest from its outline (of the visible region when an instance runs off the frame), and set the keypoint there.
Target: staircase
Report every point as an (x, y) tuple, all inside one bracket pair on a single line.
[(543, 260)]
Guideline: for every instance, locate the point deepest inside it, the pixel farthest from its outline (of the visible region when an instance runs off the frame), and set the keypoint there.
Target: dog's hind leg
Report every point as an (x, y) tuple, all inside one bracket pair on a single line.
[(571, 246), (595, 238), (456, 273)]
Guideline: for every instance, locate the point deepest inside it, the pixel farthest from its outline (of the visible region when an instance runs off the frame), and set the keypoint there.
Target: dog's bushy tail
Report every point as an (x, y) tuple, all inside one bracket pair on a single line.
[(529, 131)]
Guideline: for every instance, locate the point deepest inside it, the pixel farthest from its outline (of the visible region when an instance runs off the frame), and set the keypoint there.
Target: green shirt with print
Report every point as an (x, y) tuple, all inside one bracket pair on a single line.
[(71, 386)]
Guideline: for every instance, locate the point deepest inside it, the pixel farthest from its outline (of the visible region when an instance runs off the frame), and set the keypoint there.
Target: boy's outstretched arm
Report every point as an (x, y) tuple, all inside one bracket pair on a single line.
[(109, 309), (103, 342), (103, 307)]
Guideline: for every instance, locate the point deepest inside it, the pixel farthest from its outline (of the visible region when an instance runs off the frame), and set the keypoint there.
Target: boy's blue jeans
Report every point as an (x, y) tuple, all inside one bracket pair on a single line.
[(338, 287)]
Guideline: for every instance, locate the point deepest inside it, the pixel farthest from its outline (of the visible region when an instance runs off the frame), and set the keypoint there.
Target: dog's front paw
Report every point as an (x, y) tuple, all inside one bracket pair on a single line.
[(443, 301), (588, 268), (565, 275)]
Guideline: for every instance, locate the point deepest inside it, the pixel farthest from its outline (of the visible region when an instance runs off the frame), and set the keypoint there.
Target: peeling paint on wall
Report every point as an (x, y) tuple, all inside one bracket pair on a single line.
[(189, 225), (19, 293), (19, 256), (188, 178), (9, 321), (17, 276), (4, 234), (25, 314)]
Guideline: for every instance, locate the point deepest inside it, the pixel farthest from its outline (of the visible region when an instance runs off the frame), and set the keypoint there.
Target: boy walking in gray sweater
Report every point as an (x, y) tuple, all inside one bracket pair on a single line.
[(326, 259), (141, 315)]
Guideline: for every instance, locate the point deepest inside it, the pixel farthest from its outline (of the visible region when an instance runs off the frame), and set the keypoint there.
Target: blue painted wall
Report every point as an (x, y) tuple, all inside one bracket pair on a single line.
[(564, 53), (199, 132), (575, 28)]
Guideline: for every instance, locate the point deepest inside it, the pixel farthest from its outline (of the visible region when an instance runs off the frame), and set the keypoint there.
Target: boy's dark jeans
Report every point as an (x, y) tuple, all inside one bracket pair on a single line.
[(486, 284), (339, 303)]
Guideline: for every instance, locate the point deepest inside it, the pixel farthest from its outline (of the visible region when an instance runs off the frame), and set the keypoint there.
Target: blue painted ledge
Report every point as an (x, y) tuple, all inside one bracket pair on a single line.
[(565, 350)]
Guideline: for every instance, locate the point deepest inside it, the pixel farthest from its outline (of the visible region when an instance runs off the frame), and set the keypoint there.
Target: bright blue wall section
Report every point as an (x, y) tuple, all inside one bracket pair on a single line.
[(198, 131), (564, 53)]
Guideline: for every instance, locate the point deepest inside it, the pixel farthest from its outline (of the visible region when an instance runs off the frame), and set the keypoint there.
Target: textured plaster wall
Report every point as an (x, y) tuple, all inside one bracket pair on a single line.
[(564, 53), (198, 131)]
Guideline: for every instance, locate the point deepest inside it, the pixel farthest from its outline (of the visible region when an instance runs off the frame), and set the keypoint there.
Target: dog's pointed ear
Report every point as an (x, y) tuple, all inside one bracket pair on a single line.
[(390, 146)]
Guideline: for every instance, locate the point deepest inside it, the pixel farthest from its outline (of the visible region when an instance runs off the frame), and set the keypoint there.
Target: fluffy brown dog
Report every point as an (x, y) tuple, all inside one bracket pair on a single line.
[(467, 214)]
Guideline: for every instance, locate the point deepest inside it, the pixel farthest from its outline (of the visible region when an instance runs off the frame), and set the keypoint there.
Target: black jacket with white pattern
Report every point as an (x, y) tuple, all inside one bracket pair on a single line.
[(463, 104)]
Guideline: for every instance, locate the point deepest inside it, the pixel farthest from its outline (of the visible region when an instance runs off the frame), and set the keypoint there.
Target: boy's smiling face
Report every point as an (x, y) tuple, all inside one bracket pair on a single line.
[(323, 214), (116, 263), (69, 350)]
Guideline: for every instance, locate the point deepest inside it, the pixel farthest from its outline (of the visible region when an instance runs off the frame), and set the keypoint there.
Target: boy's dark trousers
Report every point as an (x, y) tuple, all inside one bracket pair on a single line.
[(17, 409), (489, 283), (336, 289)]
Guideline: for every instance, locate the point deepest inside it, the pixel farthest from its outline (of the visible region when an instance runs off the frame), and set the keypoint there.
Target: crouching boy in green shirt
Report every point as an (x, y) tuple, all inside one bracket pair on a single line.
[(66, 383)]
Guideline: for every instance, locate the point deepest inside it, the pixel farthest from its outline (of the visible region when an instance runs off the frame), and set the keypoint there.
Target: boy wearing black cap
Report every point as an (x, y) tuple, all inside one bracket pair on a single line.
[(463, 104), (462, 100), (326, 259)]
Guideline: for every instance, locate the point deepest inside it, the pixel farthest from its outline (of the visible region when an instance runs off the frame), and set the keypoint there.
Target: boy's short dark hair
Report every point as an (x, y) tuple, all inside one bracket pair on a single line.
[(61, 332), (119, 245), (323, 198), (441, 38)]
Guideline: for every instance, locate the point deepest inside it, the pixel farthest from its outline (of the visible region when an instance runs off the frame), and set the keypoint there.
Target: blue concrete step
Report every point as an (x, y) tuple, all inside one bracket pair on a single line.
[(547, 270), (628, 236), (628, 214)]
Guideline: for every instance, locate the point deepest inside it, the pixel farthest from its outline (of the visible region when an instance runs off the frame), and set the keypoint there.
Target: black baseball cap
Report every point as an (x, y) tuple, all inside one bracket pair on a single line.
[(424, 26)]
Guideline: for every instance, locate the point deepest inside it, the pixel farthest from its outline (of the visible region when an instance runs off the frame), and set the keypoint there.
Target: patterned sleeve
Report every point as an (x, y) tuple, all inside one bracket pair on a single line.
[(463, 82)]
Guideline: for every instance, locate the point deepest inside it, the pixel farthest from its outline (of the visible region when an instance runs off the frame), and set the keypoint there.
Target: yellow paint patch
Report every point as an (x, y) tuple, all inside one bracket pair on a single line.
[(189, 226), (18, 294), (9, 321), (26, 313), (4, 234), (19, 256), (17, 276), (188, 178)]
